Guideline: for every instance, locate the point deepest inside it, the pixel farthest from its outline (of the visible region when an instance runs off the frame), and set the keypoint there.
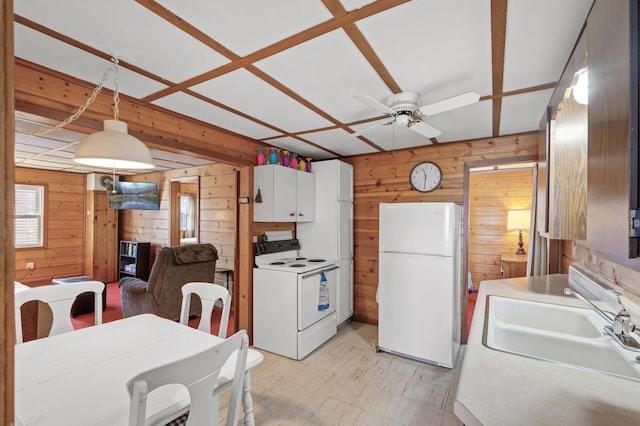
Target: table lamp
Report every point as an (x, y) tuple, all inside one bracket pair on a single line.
[(517, 220)]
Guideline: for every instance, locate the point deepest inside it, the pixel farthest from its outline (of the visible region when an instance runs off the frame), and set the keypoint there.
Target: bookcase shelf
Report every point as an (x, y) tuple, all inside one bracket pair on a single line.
[(133, 260)]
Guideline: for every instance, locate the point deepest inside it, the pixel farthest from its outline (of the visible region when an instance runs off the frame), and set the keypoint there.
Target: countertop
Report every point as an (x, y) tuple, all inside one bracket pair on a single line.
[(497, 388)]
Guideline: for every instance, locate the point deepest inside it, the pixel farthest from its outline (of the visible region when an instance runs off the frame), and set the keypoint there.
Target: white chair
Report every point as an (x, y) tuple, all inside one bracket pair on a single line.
[(199, 374), (209, 294), (60, 298)]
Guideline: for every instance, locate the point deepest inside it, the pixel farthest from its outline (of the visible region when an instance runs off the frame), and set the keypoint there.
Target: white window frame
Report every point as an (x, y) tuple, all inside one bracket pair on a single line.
[(29, 219)]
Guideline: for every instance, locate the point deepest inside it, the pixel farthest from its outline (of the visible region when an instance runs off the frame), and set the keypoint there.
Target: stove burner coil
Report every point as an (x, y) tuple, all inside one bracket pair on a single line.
[(276, 263), (297, 265), (317, 260)]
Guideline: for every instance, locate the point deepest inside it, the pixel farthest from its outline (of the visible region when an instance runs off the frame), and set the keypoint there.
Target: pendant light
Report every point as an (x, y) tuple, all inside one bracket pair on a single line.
[(113, 147)]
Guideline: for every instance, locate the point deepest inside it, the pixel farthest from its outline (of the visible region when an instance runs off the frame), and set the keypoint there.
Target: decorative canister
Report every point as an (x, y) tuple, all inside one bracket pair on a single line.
[(308, 165), (285, 158), (273, 156), (302, 166), (293, 161), (261, 157)]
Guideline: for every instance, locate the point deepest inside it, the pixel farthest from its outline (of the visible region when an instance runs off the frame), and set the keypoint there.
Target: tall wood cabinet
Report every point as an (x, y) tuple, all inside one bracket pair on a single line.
[(613, 227), (101, 238)]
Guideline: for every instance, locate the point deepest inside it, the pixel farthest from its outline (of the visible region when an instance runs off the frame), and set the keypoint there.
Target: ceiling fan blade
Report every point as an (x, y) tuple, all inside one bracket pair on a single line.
[(464, 99), (369, 101), (424, 129), (358, 133)]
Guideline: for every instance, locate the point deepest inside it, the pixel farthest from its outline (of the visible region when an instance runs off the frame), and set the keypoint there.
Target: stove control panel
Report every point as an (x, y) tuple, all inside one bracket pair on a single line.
[(266, 247)]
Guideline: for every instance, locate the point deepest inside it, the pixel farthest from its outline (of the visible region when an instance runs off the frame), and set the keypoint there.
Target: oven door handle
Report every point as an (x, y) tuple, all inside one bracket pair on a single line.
[(319, 271)]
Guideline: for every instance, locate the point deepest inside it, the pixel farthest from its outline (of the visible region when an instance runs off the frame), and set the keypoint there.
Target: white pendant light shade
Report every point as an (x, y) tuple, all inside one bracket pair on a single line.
[(114, 148)]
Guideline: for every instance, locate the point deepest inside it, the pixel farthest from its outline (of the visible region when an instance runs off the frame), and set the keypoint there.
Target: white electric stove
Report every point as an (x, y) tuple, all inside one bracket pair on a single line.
[(290, 318)]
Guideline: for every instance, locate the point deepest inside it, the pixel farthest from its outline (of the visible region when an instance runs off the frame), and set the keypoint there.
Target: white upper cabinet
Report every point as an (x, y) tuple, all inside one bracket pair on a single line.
[(282, 194)]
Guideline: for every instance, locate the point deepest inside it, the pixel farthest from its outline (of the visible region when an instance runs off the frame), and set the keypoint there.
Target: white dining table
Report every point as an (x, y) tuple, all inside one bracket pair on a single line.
[(79, 378)]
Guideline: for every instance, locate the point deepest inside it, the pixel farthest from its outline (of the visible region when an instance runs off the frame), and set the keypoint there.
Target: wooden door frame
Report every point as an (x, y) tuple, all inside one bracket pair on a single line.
[(174, 208), (7, 171), (465, 220)]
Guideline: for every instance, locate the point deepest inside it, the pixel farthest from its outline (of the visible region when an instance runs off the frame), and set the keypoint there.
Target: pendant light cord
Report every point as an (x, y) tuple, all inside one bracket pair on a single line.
[(96, 91)]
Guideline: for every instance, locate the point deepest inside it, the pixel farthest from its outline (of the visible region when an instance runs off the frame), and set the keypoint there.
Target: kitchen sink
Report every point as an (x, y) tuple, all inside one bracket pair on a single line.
[(556, 333)]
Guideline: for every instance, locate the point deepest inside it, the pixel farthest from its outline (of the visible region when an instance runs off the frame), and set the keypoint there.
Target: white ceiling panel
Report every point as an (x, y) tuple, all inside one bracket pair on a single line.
[(328, 71), (433, 47), (245, 92), (469, 122), (203, 111), (350, 5), (522, 113), (126, 29), (245, 26), (339, 141), (301, 148), (534, 53), (318, 56), (41, 49), (392, 137)]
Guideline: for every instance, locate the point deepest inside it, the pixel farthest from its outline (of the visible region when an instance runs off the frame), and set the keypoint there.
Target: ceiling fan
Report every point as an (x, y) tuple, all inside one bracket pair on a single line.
[(406, 112)]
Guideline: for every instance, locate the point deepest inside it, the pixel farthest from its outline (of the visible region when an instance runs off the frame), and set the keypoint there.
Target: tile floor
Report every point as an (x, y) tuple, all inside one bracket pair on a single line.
[(345, 382)]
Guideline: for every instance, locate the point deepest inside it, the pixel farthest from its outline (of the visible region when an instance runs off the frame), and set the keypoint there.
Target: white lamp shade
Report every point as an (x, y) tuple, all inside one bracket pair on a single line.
[(518, 219), (113, 148)]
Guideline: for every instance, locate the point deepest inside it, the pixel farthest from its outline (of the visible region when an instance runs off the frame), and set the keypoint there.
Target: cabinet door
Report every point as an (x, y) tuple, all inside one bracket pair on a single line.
[(345, 182), (344, 308), (345, 229), (612, 29), (263, 194), (306, 198), (284, 189)]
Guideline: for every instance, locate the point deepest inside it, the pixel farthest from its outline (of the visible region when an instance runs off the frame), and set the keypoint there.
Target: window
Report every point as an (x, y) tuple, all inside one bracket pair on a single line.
[(29, 201)]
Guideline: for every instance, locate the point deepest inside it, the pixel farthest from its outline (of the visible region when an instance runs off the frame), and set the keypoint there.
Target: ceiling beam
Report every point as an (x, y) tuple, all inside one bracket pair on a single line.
[(498, 35), (47, 93)]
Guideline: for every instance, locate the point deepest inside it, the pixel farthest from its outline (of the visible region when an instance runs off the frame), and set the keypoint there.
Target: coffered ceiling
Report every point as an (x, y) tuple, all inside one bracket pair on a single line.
[(285, 71)]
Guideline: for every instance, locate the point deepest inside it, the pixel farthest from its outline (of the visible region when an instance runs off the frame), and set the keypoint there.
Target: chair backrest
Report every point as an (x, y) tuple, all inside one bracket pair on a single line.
[(209, 294), (199, 374), (175, 266), (60, 298)]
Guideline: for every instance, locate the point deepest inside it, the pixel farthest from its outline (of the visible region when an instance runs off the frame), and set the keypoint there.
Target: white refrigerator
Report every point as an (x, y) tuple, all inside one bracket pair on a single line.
[(419, 281)]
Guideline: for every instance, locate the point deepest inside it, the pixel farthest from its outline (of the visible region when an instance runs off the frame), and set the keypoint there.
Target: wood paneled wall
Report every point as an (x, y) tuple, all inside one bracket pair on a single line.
[(579, 253), (63, 251), (384, 177), (217, 218), (491, 194)]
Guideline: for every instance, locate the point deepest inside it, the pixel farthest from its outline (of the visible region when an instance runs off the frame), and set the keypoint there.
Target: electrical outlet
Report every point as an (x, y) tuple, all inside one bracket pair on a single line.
[(31, 266)]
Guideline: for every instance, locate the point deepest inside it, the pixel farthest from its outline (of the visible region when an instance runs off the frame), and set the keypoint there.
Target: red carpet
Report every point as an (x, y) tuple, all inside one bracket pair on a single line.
[(114, 312)]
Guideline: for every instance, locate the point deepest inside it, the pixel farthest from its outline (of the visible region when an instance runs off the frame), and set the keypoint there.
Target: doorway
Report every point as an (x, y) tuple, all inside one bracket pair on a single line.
[(491, 189), (184, 210)]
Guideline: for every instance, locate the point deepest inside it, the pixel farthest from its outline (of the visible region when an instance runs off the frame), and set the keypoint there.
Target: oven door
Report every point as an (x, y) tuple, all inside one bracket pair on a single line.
[(309, 296)]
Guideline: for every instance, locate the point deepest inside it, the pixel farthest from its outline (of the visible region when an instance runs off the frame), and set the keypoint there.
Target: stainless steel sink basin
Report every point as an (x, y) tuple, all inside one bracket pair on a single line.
[(556, 333)]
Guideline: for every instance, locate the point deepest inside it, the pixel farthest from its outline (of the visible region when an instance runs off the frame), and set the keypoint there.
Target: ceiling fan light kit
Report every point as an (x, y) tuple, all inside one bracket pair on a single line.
[(406, 112)]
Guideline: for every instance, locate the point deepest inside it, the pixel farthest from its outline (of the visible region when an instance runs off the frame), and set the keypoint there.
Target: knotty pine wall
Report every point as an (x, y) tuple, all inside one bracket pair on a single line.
[(491, 194), (217, 218), (383, 177), (578, 252), (64, 228)]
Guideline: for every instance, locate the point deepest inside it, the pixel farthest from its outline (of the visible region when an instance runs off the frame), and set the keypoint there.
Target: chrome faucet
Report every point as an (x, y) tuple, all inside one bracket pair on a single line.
[(608, 316), (622, 322), (620, 325)]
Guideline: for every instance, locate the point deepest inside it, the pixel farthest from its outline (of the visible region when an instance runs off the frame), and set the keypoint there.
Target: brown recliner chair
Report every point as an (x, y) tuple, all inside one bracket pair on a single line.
[(162, 294)]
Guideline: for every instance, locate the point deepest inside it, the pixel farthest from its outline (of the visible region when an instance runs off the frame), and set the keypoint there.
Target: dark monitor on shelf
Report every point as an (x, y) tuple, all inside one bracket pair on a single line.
[(133, 195)]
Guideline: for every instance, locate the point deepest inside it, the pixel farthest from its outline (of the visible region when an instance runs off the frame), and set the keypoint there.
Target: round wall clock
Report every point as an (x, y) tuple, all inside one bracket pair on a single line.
[(425, 176)]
